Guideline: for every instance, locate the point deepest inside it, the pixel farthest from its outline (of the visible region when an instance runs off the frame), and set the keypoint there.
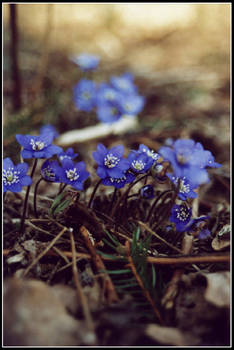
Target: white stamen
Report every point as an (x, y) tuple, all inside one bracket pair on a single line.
[(72, 174), (111, 161), (10, 176), (138, 164), (37, 145)]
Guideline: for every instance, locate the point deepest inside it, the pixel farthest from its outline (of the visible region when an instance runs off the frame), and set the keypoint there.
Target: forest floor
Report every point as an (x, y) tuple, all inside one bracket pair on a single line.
[(105, 282)]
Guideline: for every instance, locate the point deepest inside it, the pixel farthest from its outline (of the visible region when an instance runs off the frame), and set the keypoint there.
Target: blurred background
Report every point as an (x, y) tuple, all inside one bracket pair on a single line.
[(178, 53)]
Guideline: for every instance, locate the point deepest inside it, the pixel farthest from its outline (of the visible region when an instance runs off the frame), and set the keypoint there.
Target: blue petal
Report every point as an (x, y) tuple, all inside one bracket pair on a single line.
[(168, 154), (27, 154), (53, 149), (78, 185), (26, 180), (101, 172), (117, 151), (24, 140), (22, 167), (15, 187), (115, 173), (124, 164), (99, 157), (7, 163)]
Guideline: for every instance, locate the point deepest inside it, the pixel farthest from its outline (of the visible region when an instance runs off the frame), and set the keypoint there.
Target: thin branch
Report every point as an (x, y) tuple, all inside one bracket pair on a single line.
[(81, 295), (147, 228), (175, 260), (112, 296), (35, 261)]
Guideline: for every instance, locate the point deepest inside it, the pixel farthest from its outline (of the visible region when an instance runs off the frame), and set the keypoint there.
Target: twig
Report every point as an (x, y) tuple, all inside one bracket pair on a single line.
[(109, 287), (175, 260), (189, 259), (172, 289), (147, 228), (29, 223), (139, 281), (81, 295), (61, 254), (44, 251)]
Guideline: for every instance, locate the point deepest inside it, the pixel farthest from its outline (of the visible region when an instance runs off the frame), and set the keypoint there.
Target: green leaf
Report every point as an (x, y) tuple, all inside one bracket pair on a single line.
[(62, 206), (153, 276), (114, 240), (110, 256), (57, 200), (127, 285), (109, 244), (116, 272)]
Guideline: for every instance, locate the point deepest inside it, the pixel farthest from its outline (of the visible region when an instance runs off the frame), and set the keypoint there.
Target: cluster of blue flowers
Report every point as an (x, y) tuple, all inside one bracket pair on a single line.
[(64, 170), (111, 100), (115, 170), (188, 162)]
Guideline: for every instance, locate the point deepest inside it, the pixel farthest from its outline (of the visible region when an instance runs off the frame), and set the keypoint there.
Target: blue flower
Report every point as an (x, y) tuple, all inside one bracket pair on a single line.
[(140, 162), (68, 154), (208, 157), (188, 160), (38, 146), (45, 129), (147, 192), (111, 163), (85, 95), (150, 153), (124, 83), (185, 187), (85, 61), (73, 174), (50, 170), (131, 104), (119, 182), (107, 94), (15, 176), (108, 113), (181, 215), (198, 227)]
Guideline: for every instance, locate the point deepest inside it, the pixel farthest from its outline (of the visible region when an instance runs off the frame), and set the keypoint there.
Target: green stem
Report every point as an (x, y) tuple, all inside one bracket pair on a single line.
[(93, 194), (26, 197), (35, 197)]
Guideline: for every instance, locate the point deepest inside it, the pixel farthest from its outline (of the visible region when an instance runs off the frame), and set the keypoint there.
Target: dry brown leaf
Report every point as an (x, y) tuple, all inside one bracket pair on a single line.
[(218, 288), (34, 316), (168, 335)]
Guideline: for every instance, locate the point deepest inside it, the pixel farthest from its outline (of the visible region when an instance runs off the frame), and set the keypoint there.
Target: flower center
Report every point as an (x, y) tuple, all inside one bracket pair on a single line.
[(151, 153), (182, 159), (138, 164), (114, 111), (10, 176), (86, 95), (184, 188), (72, 174), (49, 173), (182, 214), (109, 95), (64, 157), (111, 161), (37, 145)]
